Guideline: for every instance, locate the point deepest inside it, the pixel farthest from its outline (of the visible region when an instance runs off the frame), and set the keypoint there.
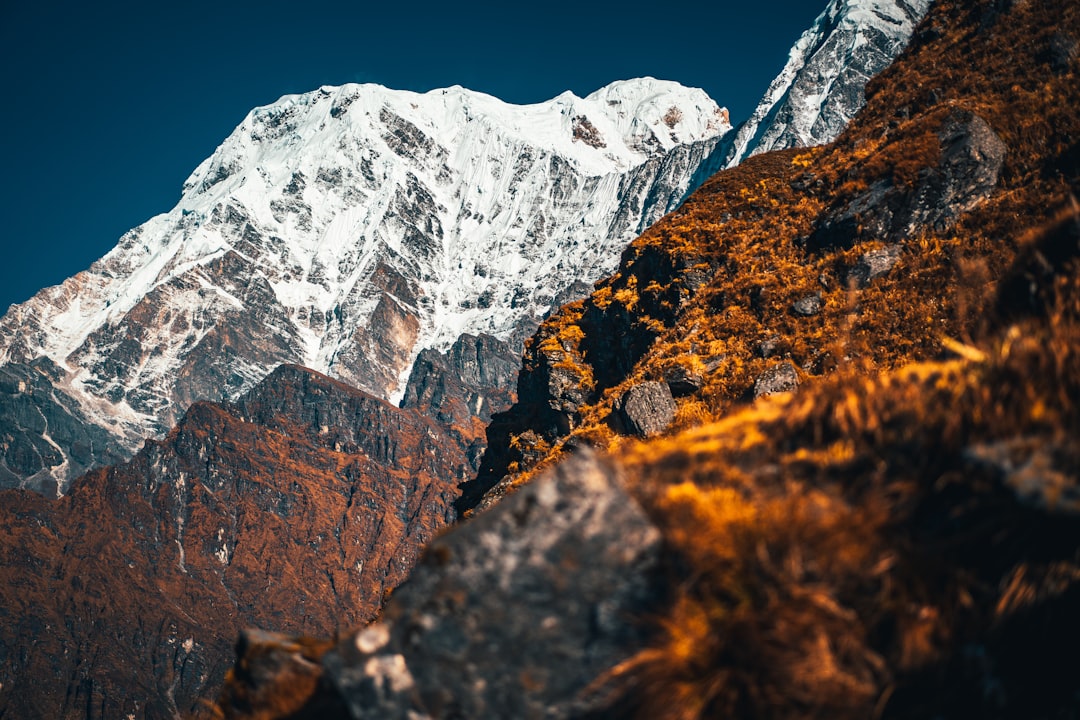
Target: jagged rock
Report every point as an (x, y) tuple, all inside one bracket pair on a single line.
[(807, 306), (472, 380), (683, 381), (646, 409), (970, 158), (972, 155), (873, 265), (513, 614), (777, 379), (767, 347), (44, 436)]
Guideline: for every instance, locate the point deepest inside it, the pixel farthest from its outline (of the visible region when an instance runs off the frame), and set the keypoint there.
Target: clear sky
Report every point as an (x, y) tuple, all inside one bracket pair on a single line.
[(108, 106)]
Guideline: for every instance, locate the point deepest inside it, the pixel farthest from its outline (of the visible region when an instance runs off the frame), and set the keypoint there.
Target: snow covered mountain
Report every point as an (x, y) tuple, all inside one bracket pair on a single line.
[(821, 87), (344, 229)]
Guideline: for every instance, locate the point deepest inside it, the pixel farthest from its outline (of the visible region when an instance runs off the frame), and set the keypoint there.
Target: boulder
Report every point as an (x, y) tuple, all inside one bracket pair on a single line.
[(969, 160), (807, 306), (645, 409), (777, 379), (683, 381)]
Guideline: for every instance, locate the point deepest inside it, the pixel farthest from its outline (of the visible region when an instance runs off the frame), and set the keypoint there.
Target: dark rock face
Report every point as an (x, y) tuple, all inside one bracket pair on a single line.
[(559, 374), (970, 156), (44, 437), (513, 614), (777, 379), (477, 371), (463, 388), (646, 409), (295, 509)]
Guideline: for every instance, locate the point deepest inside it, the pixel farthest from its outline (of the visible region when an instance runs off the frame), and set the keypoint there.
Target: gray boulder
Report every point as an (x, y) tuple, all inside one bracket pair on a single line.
[(777, 379), (807, 306), (970, 159), (683, 381), (645, 409)]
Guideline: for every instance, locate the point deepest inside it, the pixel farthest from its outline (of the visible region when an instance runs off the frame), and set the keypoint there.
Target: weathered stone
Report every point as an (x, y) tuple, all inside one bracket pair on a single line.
[(873, 265), (471, 381), (683, 381), (513, 614), (645, 409), (777, 379), (45, 438), (807, 306), (767, 347)]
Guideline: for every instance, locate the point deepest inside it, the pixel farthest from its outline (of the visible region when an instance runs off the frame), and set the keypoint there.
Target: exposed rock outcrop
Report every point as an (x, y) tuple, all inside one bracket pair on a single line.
[(45, 437), (874, 264), (966, 157), (779, 378)]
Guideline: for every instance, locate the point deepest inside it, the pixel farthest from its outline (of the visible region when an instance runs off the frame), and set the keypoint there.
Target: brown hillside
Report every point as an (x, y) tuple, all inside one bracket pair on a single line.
[(295, 509)]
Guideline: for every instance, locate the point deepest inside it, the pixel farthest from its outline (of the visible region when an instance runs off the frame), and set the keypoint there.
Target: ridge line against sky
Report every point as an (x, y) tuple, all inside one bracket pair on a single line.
[(110, 106)]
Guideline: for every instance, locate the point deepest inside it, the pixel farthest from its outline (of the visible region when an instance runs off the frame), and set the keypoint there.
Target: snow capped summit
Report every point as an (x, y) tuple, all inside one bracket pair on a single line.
[(348, 228)]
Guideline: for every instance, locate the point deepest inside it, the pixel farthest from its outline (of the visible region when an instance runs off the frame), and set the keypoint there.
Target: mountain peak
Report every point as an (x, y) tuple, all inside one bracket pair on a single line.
[(348, 228)]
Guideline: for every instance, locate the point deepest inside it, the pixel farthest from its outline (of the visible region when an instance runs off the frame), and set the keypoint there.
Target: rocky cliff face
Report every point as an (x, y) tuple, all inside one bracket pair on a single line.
[(297, 509), (346, 230), (464, 387), (46, 431)]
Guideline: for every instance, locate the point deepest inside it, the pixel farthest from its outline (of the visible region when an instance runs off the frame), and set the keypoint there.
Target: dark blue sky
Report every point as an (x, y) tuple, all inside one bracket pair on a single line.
[(108, 106)]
